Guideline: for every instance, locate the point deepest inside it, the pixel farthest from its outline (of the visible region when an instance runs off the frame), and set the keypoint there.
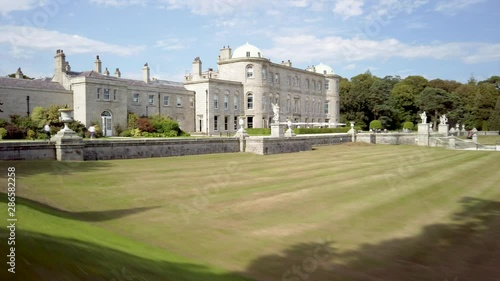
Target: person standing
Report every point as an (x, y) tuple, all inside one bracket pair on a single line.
[(46, 128), (92, 131)]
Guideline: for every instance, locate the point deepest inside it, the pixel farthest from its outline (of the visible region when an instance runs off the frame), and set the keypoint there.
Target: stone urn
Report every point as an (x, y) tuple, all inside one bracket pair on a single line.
[(241, 121), (66, 117)]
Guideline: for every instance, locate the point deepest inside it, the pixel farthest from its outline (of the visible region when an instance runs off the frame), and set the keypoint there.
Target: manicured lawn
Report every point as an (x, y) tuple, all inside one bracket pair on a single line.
[(345, 212)]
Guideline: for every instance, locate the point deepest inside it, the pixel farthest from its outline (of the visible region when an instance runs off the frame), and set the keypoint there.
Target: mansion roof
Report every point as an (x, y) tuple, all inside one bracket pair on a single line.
[(37, 84)]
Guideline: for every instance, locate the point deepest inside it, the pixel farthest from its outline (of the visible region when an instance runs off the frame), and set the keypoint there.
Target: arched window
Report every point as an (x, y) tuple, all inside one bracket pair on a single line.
[(226, 101), (271, 100), (306, 105), (264, 74), (277, 99), (264, 102), (216, 101), (236, 101), (249, 71), (319, 105), (288, 103), (313, 105), (307, 84), (249, 101)]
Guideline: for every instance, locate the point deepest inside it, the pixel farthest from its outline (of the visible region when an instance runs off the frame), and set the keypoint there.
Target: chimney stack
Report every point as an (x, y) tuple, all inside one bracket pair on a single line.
[(59, 66), (145, 73), (197, 67), (118, 74), (98, 65), (106, 72)]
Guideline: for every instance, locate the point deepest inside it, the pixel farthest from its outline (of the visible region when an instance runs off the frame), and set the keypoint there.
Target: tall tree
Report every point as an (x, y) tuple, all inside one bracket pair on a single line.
[(435, 101), (494, 122)]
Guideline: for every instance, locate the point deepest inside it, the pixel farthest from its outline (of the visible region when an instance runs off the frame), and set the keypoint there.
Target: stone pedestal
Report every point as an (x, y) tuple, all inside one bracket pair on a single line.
[(69, 146), (277, 130), (474, 138), (423, 135), (443, 129), (241, 133), (451, 143), (289, 133)]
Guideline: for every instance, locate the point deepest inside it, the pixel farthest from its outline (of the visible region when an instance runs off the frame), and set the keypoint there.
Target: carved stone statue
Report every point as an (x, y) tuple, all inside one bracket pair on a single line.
[(424, 118), (276, 112), (443, 120)]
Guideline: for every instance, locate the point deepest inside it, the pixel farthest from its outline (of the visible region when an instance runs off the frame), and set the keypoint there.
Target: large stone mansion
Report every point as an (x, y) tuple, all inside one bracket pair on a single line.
[(246, 84)]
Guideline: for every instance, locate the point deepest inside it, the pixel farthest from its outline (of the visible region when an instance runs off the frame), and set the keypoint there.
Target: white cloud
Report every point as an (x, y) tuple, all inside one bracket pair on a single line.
[(7, 6), (453, 6), (118, 3), (308, 48), (171, 44), (350, 66), (348, 8), (24, 40)]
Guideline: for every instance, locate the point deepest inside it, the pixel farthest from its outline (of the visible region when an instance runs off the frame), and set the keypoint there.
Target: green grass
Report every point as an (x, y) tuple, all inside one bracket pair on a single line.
[(381, 212)]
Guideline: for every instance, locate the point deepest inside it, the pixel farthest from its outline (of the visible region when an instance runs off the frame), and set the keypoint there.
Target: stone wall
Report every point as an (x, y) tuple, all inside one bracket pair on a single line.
[(387, 138), (27, 151), (147, 148), (267, 145)]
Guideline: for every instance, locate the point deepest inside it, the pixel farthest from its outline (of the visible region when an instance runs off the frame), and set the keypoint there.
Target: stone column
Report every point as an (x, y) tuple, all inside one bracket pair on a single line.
[(423, 134), (474, 138)]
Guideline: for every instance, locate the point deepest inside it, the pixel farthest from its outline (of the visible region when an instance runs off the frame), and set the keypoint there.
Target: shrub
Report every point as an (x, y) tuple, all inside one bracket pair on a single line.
[(376, 125), (3, 123), (131, 120), (164, 124), (408, 125), (3, 133), (126, 133), (118, 129), (136, 133), (14, 132), (31, 134), (145, 125), (78, 128)]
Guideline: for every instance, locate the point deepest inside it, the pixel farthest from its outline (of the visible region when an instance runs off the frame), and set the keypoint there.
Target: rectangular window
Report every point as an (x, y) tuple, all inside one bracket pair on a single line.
[(136, 98), (151, 99), (235, 122), (216, 102), (114, 94), (327, 86), (179, 101), (106, 94), (250, 122), (191, 102), (216, 126), (235, 102), (98, 96), (226, 102), (326, 108), (270, 78), (166, 100), (226, 123), (276, 78)]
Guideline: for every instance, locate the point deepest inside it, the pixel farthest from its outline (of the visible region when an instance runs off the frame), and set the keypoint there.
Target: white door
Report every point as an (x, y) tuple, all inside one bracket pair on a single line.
[(107, 124)]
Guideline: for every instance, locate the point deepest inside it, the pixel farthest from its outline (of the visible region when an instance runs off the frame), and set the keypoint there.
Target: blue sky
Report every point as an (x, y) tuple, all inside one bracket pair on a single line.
[(448, 39)]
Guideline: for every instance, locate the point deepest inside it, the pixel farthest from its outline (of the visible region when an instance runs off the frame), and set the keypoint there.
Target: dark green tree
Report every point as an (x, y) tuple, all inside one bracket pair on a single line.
[(435, 101), (494, 121)]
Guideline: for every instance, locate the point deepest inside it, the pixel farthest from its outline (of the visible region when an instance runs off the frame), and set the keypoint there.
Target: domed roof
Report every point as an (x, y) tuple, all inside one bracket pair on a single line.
[(323, 69), (247, 51)]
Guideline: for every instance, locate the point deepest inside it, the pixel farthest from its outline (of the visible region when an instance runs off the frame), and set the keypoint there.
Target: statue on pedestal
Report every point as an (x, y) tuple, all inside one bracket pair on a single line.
[(443, 120), (424, 118), (276, 112)]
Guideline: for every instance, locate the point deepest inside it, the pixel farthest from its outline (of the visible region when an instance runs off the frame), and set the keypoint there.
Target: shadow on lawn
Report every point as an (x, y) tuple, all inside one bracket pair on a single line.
[(92, 216), (51, 167), (47, 258), (466, 249)]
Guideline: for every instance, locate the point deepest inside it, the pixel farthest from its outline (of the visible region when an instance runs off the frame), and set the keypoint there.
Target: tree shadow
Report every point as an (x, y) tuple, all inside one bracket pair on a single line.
[(45, 258), (468, 248), (90, 216), (51, 167)]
